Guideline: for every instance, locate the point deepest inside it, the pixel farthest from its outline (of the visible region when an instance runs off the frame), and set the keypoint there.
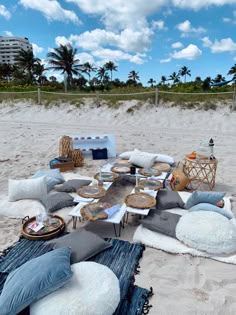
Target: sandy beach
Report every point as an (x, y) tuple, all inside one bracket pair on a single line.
[(29, 139)]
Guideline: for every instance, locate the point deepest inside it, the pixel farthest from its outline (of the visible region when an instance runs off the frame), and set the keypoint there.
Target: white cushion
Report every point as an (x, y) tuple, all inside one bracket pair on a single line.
[(142, 159), (126, 155), (165, 159), (207, 231), (27, 188), (92, 290)]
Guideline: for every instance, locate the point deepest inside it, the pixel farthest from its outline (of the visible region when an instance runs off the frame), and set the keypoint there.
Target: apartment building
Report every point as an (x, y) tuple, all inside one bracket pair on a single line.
[(10, 46)]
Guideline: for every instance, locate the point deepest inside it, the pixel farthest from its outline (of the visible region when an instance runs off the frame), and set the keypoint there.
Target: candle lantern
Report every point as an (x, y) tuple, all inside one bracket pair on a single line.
[(211, 148)]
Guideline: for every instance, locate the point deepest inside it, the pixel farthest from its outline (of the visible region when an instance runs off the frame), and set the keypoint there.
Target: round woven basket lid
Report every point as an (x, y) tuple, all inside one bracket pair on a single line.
[(140, 200), (91, 192), (106, 176), (164, 167), (95, 211), (151, 184), (149, 172)]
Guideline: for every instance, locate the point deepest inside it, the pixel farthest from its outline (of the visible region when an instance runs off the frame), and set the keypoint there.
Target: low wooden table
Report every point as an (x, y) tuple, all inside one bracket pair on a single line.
[(200, 172)]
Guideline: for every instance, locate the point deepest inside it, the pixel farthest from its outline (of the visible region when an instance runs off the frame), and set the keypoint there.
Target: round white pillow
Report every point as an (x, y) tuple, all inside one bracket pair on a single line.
[(93, 290), (207, 231)]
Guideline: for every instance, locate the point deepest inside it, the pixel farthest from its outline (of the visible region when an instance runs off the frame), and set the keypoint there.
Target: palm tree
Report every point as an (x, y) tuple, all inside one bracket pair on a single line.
[(38, 71), (219, 78), (174, 77), (63, 58), (102, 74), (110, 66), (163, 79), (26, 61), (151, 82), (233, 72), (6, 71), (184, 71), (133, 75), (88, 68)]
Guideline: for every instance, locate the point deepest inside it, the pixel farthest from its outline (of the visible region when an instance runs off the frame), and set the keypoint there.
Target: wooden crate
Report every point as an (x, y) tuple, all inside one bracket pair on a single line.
[(64, 167)]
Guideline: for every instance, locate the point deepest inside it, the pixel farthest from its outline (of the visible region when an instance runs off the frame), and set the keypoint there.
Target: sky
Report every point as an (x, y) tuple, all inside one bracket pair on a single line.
[(154, 37)]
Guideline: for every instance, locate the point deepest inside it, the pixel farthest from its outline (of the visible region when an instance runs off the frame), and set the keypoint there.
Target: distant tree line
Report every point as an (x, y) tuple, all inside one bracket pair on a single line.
[(29, 70)]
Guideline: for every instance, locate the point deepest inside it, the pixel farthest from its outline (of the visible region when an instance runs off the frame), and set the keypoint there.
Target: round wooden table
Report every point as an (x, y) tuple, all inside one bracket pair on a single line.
[(201, 172)]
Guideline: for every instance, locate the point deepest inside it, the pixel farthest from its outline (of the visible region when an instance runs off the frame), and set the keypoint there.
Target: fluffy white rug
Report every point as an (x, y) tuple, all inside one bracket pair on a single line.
[(172, 245)]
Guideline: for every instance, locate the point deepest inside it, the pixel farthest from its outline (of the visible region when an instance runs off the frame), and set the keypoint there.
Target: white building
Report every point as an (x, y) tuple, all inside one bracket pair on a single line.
[(10, 47)]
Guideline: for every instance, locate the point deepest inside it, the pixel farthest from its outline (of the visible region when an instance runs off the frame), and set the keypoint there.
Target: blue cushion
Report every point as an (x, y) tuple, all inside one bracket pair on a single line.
[(53, 177), (34, 279), (203, 197), (210, 207)]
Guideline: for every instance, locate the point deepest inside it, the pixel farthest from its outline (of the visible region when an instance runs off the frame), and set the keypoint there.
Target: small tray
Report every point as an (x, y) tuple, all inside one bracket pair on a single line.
[(152, 184), (120, 169), (149, 172), (95, 211), (91, 192), (140, 200), (47, 232), (106, 176)]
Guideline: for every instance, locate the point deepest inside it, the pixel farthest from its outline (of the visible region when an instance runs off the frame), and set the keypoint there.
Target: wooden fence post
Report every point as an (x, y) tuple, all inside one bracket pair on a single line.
[(156, 97), (39, 96)]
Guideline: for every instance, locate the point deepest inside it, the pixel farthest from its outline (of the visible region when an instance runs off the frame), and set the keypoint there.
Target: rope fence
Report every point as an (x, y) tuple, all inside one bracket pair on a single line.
[(155, 94)]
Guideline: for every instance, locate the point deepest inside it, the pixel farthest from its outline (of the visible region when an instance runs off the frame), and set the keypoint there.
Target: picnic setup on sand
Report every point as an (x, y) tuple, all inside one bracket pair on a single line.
[(58, 266)]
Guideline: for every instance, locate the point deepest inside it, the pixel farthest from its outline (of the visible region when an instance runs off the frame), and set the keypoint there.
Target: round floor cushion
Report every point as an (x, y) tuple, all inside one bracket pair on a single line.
[(92, 290), (207, 231)]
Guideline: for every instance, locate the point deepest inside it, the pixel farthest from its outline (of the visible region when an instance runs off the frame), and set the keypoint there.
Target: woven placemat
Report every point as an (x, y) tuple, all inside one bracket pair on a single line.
[(151, 184), (91, 192), (120, 169), (95, 211), (149, 172), (163, 167), (140, 200), (106, 176)]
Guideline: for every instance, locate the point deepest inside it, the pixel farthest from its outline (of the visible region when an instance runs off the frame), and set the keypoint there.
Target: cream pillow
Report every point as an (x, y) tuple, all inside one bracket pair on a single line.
[(143, 159), (27, 188)]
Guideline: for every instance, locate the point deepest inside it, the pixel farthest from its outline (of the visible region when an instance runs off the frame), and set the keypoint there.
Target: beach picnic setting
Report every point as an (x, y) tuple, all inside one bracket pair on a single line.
[(104, 223)]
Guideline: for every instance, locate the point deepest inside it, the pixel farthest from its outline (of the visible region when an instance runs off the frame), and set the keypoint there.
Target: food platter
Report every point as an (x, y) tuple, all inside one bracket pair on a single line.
[(120, 169), (106, 176), (151, 184), (95, 211), (140, 200), (91, 192), (149, 172)]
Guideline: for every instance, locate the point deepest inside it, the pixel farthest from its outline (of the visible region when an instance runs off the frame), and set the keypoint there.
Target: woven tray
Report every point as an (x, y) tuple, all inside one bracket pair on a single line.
[(163, 167), (120, 169), (49, 231), (140, 200), (106, 176), (95, 211), (91, 192), (151, 184), (149, 172)]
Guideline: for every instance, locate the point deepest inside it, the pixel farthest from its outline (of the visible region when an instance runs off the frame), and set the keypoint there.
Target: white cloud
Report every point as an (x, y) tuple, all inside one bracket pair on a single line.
[(165, 60), (160, 25), (62, 40), (199, 4), (8, 33), (128, 40), (37, 49), (51, 9), (187, 29), (219, 46), (191, 52), (177, 45), (4, 12)]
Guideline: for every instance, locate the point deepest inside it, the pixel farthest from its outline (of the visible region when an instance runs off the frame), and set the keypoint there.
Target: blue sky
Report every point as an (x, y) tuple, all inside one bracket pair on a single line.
[(152, 37)]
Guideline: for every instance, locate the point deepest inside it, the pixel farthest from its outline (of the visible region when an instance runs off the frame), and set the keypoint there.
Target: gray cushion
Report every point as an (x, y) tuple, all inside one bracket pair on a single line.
[(161, 221), (53, 178), (57, 201), (168, 199), (73, 185), (84, 244), (204, 197), (34, 279)]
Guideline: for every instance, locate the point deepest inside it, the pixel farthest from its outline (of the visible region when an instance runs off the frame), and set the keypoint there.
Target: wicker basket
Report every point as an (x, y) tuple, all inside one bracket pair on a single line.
[(77, 157), (65, 147)]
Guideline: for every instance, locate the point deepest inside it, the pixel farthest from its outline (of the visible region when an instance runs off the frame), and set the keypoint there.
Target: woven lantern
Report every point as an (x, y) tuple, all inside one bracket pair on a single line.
[(77, 157), (65, 147)]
